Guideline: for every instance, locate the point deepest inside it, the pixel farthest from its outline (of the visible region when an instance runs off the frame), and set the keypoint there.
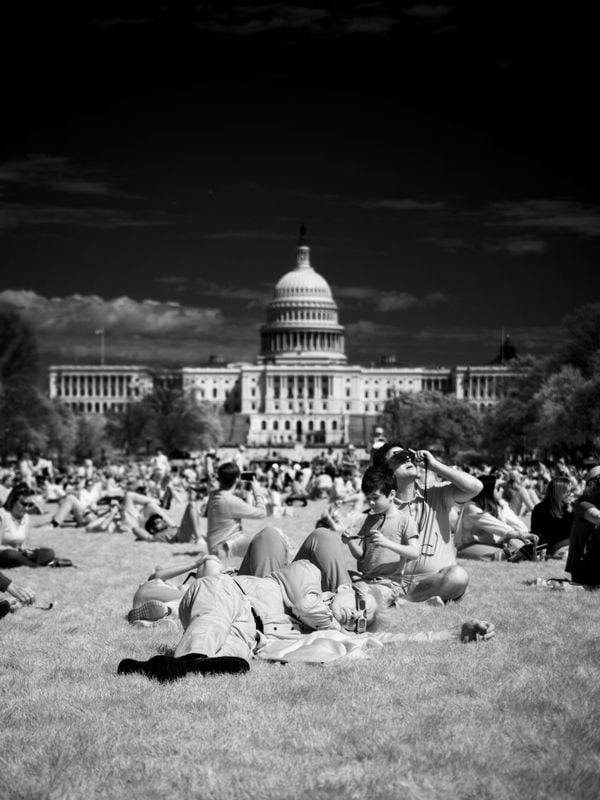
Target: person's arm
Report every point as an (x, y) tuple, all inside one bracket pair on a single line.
[(475, 630), (239, 509), (466, 486), (409, 551), (165, 573), (486, 527), (408, 548), (590, 512)]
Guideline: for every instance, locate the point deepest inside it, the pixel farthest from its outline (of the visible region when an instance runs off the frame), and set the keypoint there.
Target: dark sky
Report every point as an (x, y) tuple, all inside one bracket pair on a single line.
[(156, 164)]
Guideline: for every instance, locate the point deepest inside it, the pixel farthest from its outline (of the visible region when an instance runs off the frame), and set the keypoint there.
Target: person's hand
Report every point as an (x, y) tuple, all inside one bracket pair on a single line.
[(425, 457), (255, 486), (476, 630), (23, 594), (379, 540), (530, 538)]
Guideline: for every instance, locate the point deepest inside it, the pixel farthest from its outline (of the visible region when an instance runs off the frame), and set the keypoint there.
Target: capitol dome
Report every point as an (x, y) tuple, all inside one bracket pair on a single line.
[(302, 317)]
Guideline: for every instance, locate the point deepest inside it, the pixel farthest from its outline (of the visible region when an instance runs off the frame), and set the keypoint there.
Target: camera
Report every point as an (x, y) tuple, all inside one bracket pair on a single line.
[(248, 476)]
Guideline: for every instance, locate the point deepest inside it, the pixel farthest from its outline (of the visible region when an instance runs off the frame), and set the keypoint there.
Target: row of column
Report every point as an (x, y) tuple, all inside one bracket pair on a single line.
[(304, 340), (485, 386), (93, 385), (297, 386)]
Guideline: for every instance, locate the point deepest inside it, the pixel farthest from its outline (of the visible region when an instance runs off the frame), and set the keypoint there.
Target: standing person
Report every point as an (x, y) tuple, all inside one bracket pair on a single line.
[(226, 510), (14, 528), (583, 560), (430, 508)]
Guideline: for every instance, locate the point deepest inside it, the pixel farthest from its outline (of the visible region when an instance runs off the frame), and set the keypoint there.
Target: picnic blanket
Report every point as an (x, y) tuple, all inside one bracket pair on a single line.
[(330, 647)]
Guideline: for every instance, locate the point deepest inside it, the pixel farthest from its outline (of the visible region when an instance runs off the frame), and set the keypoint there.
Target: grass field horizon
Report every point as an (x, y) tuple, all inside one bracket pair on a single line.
[(514, 717)]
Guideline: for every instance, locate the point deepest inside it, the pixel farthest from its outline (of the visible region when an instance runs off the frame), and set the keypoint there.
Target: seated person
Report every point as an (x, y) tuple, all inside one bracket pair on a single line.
[(23, 594), (583, 559), (83, 505), (487, 525), (551, 520), (388, 538), (226, 619), (14, 529), (226, 510)]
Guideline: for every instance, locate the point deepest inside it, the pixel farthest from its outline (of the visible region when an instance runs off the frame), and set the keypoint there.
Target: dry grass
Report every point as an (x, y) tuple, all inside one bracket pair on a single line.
[(516, 717)]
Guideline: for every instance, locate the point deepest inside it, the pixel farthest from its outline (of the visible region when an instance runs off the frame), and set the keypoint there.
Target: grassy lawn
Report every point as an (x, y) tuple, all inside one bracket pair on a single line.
[(517, 717)]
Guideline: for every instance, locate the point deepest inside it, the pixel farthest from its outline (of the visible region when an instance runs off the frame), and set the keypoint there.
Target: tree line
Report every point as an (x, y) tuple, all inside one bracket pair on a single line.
[(551, 408)]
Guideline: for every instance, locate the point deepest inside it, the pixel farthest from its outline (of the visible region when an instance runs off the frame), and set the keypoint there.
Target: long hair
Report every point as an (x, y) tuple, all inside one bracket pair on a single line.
[(556, 492), (16, 493), (485, 499)]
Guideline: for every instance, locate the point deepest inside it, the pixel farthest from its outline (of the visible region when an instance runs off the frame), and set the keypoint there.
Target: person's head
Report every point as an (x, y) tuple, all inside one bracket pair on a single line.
[(354, 608), (379, 488), (490, 496), (155, 524), (383, 453), (592, 484), (18, 501), (558, 494), (402, 464), (228, 474)]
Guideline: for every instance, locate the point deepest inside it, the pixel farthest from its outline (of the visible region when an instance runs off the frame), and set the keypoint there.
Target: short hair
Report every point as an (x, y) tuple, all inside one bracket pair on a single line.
[(379, 456), (378, 479), (227, 474)]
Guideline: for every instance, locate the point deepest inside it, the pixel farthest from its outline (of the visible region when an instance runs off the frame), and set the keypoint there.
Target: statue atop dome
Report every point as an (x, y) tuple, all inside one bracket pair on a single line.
[(302, 239)]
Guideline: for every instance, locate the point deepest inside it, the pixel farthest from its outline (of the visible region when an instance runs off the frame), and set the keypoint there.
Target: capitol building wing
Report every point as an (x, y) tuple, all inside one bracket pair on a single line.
[(299, 389)]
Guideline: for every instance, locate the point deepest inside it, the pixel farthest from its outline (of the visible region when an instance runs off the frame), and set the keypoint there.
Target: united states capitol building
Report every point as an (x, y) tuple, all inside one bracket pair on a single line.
[(300, 388)]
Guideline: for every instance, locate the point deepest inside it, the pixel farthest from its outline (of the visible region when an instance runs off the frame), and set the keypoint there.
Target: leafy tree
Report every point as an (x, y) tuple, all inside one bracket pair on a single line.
[(19, 357), (433, 421), (509, 427), (168, 418), (581, 348)]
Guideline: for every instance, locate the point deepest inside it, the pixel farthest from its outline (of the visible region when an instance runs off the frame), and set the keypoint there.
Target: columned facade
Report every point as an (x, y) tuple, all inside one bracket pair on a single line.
[(300, 388)]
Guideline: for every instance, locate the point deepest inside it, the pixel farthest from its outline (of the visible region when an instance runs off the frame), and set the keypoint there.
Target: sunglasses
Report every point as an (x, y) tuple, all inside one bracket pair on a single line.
[(361, 607), (402, 457)]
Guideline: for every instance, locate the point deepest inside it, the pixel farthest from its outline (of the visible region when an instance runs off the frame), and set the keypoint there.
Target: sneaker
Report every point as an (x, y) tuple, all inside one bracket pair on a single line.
[(4, 608), (149, 611), (169, 668)]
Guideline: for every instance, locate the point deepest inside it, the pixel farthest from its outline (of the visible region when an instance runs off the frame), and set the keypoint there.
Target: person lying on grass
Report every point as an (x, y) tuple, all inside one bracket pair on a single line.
[(227, 619)]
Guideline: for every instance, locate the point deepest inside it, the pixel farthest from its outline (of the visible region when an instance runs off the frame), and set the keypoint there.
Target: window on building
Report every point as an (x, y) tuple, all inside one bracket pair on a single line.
[(263, 425), (334, 425), (275, 425), (287, 425)]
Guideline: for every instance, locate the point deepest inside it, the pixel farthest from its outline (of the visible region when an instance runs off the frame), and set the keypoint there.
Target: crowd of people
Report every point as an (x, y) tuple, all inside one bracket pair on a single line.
[(405, 520)]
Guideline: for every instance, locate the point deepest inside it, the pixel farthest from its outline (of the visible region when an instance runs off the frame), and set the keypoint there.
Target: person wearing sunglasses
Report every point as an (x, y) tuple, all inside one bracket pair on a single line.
[(227, 619), (430, 507), (14, 528), (583, 559)]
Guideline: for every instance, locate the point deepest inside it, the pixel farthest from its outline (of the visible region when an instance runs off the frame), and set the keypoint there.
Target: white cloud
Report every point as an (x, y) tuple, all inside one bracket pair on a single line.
[(559, 215)]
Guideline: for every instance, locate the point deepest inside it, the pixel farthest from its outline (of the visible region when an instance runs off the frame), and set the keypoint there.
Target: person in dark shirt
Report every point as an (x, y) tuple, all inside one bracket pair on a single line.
[(551, 519)]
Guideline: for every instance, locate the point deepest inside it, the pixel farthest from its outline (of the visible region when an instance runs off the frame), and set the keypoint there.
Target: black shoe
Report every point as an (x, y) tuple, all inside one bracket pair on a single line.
[(4, 608), (168, 668)]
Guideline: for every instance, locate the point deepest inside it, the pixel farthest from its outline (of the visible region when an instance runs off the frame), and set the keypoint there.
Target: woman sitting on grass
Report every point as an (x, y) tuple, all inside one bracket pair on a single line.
[(551, 520), (227, 619), (487, 527), (583, 560), (14, 528)]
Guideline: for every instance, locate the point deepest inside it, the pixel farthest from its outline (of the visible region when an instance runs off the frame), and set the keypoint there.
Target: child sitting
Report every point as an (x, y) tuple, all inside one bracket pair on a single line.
[(388, 537)]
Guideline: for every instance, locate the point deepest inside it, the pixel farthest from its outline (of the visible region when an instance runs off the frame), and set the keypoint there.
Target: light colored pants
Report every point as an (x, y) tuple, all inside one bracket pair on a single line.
[(217, 619)]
